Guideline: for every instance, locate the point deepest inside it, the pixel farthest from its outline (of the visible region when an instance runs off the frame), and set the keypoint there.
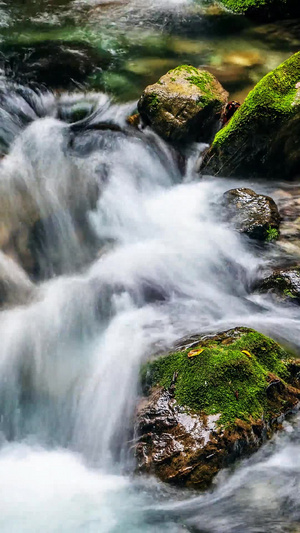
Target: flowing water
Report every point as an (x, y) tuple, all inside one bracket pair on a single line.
[(130, 255)]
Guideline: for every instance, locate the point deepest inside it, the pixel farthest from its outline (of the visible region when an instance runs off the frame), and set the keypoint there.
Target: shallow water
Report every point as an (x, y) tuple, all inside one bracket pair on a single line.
[(117, 279), (141, 41)]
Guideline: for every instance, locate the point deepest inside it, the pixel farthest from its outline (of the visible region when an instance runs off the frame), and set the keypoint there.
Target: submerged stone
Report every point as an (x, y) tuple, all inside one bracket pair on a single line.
[(185, 105), (254, 214), (215, 398), (261, 139)]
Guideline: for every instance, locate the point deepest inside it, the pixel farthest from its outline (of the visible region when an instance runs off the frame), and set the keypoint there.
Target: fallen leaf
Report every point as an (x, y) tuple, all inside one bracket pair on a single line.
[(247, 353), (193, 353)]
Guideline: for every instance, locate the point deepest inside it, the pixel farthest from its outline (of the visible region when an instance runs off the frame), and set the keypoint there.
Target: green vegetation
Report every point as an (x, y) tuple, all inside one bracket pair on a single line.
[(264, 9), (288, 293), (272, 99), (243, 6), (229, 376), (245, 144), (272, 234), (153, 101), (201, 79)]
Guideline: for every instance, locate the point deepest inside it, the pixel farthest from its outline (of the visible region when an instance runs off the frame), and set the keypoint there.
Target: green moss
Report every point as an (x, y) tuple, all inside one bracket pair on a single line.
[(288, 293), (189, 69), (244, 145), (201, 79), (270, 101), (272, 234), (243, 6), (264, 9), (153, 101), (230, 379)]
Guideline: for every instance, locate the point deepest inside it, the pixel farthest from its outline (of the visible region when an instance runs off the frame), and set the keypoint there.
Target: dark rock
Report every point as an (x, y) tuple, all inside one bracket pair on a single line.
[(253, 214), (54, 63), (206, 406), (283, 284)]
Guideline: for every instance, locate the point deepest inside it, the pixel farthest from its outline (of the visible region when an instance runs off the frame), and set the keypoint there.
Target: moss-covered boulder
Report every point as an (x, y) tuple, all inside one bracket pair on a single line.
[(184, 105), (264, 9), (282, 285), (254, 214), (257, 140), (213, 399)]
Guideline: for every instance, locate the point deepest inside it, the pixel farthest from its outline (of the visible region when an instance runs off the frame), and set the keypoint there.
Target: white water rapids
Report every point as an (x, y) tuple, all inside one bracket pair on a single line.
[(154, 262)]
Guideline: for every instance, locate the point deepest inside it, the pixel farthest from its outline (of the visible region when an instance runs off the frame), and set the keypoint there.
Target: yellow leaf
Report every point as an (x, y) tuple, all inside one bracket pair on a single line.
[(247, 353), (193, 353)]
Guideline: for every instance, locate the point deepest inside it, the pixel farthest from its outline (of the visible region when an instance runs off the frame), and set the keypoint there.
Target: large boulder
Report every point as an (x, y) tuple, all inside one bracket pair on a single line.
[(264, 9), (254, 214), (261, 139), (184, 105), (213, 399), (283, 285)]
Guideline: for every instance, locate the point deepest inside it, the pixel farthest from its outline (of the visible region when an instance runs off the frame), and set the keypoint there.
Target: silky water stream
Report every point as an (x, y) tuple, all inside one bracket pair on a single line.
[(119, 278)]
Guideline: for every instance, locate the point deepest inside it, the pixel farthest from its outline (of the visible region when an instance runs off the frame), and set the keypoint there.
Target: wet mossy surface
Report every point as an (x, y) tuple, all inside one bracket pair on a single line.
[(283, 285), (230, 376), (264, 9), (252, 214), (248, 143)]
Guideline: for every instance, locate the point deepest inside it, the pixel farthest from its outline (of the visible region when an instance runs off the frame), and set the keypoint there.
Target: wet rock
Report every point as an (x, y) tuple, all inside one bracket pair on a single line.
[(283, 284), (261, 140), (243, 58), (254, 214), (184, 105), (288, 201), (215, 398), (133, 120), (15, 286), (57, 64), (264, 10)]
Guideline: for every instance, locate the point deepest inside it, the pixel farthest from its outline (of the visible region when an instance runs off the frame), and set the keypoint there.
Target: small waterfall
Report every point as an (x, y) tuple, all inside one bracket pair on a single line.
[(130, 256)]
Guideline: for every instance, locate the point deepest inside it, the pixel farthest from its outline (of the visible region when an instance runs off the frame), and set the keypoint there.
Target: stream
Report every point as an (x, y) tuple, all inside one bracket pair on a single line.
[(122, 277)]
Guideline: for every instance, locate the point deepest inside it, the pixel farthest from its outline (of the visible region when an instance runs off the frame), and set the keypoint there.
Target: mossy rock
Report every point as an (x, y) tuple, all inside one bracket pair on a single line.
[(216, 398), (255, 142), (253, 214), (283, 285), (185, 105), (264, 10)]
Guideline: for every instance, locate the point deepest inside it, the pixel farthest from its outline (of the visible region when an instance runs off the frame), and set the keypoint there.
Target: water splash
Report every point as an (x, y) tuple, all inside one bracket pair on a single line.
[(161, 264)]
